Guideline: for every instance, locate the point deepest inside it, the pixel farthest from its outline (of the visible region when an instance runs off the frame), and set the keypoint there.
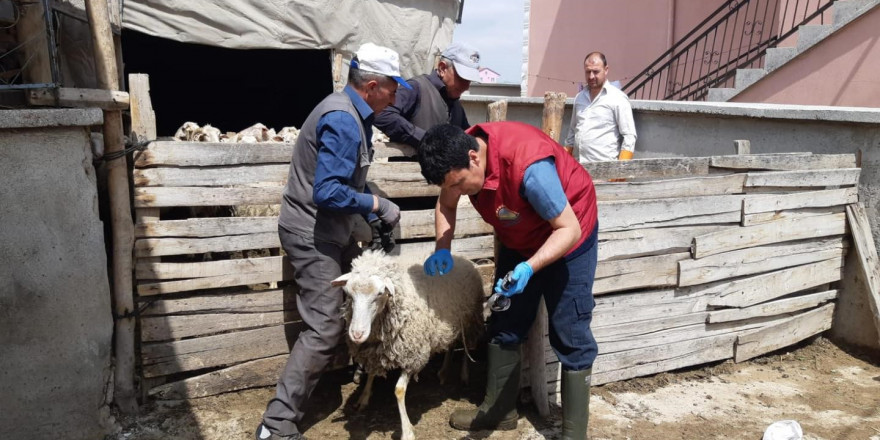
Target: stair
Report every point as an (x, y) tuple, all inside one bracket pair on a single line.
[(844, 11)]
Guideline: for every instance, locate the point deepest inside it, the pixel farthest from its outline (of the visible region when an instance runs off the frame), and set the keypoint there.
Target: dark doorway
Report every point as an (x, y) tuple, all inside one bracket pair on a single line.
[(228, 88)]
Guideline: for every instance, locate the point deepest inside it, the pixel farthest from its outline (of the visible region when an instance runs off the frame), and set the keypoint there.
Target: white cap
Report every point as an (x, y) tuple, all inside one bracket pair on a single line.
[(466, 60), (377, 59)]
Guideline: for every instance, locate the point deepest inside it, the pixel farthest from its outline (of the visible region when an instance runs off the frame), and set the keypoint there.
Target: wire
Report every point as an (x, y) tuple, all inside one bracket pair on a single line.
[(139, 146)]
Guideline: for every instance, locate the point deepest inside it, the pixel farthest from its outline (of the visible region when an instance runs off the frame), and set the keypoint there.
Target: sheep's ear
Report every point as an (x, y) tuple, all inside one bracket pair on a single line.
[(389, 286), (339, 282)]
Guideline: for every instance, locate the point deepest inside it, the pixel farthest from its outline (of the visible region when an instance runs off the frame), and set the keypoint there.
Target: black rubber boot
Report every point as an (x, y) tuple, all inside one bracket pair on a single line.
[(498, 410), (575, 404)]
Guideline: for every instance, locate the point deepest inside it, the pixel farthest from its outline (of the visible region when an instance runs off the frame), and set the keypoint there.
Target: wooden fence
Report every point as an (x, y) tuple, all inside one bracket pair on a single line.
[(701, 259)]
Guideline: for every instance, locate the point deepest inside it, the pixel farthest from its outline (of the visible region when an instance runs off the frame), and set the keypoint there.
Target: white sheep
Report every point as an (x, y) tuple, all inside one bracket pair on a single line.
[(398, 317)]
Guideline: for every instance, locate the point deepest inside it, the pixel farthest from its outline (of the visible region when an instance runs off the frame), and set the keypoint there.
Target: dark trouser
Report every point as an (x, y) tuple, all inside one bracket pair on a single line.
[(320, 306), (567, 287)]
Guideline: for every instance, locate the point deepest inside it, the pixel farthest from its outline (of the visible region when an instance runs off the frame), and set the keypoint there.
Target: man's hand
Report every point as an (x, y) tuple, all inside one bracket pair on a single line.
[(387, 211), (383, 236), (517, 282), (625, 155), (439, 263)]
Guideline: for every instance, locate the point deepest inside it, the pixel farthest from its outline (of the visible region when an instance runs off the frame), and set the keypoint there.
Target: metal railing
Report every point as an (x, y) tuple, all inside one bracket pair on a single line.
[(735, 36)]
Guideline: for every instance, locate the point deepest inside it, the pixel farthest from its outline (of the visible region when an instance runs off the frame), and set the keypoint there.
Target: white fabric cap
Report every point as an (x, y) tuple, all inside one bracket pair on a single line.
[(466, 60), (377, 59)]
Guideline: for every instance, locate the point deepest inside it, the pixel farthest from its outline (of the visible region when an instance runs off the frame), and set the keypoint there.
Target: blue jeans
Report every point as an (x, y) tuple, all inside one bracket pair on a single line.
[(567, 287)]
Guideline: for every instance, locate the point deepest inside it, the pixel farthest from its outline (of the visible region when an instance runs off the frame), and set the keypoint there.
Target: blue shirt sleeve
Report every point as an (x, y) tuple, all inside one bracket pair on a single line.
[(542, 188), (339, 139)]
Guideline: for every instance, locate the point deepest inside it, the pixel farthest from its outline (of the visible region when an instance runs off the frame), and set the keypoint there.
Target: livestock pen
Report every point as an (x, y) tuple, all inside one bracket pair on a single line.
[(701, 259)]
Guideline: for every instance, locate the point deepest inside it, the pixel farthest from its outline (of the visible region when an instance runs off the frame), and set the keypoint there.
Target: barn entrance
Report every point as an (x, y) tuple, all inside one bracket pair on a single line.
[(230, 89)]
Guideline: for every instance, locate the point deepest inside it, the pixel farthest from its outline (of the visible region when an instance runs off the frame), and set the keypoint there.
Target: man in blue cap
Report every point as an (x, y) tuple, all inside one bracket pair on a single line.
[(326, 188), (434, 97)]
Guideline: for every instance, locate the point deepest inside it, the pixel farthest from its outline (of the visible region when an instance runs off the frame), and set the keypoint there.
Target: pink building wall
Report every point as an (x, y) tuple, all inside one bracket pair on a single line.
[(488, 76), (631, 33), (841, 70)]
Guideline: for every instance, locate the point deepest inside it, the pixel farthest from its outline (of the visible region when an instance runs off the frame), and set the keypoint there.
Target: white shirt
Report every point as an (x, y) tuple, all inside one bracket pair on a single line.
[(600, 128)]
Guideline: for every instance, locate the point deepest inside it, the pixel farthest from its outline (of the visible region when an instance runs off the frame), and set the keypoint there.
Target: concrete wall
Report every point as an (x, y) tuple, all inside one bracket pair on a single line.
[(841, 70), (681, 129), (55, 316)]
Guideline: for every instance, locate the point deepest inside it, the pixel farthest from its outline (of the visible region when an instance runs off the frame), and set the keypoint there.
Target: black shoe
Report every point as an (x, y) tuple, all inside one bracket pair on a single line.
[(273, 436)]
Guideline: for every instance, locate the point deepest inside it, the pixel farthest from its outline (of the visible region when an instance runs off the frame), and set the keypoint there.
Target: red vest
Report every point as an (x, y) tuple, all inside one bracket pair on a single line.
[(512, 147)]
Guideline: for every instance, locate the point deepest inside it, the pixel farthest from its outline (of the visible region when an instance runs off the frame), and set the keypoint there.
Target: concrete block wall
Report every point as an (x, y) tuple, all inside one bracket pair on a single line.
[(56, 326)]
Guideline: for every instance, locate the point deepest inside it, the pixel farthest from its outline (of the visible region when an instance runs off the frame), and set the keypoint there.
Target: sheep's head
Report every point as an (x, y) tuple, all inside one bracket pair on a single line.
[(368, 296)]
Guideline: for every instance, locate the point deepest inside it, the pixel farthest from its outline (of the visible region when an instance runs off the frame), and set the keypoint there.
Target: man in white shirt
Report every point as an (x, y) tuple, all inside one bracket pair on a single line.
[(602, 125)]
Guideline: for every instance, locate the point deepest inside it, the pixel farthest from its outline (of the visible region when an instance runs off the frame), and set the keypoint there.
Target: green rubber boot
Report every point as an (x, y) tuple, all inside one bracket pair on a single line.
[(575, 404), (498, 410)]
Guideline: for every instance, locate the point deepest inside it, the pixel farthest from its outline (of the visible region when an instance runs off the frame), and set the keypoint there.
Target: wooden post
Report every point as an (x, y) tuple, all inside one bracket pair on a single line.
[(869, 266), (497, 111), (743, 147), (120, 209), (32, 26), (554, 106)]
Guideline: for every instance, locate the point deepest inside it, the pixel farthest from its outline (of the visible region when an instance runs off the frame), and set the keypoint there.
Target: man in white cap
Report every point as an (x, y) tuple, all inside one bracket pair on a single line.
[(326, 188), (434, 98)]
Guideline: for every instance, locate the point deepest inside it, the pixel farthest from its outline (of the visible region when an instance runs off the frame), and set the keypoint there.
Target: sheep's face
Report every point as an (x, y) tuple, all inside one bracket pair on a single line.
[(369, 295)]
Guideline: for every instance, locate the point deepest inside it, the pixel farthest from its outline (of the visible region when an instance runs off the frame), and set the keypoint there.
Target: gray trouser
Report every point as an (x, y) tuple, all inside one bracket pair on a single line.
[(320, 307)]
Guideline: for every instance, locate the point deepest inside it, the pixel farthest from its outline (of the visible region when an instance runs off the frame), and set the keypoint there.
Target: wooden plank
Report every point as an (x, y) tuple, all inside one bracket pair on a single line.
[(163, 328), (251, 374), (622, 365), (749, 291), (642, 328), (230, 280), (166, 271), (869, 264), (156, 247), (617, 275), (200, 154), (767, 233), (472, 248), (804, 178), (627, 307), (757, 260), (807, 199), (793, 330), (79, 98), (399, 179), (616, 245), (262, 301), (159, 197), (621, 215), (649, 168), (383, 150), (163, 358), (235, 175), (420, 224), (659, 189), (770, 216), (781, 162), (787, 305), (206, 227)]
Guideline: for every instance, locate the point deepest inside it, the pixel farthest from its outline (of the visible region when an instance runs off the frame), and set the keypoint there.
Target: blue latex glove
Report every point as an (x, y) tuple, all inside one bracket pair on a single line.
[(439, 263), (521, 275)]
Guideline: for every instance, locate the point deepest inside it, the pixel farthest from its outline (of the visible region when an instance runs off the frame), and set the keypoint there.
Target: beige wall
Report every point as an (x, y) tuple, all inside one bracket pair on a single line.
[(842, 70), (631, 33)]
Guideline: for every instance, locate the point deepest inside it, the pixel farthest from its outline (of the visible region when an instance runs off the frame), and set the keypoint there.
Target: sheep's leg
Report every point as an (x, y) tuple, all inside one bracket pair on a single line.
[(406, 427), (443, 374), (465, 373), (365, 395)]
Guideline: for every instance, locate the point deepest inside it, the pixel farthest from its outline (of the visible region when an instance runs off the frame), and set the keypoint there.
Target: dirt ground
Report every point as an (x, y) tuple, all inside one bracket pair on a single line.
[(833, 393)]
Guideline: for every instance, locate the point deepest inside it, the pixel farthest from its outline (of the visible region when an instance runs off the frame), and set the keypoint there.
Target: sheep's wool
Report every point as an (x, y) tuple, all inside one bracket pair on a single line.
[(425, 315)]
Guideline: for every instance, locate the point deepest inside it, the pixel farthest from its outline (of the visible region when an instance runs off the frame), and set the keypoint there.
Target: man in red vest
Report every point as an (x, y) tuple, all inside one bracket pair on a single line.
[(542, 204)]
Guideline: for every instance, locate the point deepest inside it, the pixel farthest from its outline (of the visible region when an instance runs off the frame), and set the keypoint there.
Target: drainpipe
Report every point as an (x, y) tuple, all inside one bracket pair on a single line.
[(670, 40)]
